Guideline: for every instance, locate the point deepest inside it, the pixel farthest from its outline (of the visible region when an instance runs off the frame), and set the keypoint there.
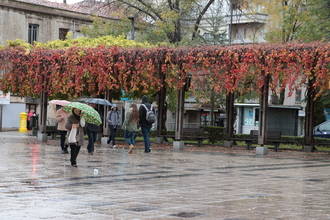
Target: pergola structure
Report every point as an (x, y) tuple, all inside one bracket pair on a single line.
[(233, 70)]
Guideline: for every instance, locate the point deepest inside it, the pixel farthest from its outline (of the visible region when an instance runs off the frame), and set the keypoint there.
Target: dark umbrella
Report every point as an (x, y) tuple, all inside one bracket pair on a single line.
[(96, 101)]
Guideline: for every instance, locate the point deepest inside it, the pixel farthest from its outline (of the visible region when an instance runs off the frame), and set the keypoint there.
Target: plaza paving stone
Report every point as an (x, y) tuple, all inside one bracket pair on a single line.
[(37, 182)]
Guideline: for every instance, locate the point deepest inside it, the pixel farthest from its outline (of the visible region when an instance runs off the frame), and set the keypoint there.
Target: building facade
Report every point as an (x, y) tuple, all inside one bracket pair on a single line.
[(42, 21)]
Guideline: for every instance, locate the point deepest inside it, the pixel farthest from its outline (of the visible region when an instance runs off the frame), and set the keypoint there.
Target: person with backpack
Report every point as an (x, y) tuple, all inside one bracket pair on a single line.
[(130, 126), (113, 123), (146, 118)]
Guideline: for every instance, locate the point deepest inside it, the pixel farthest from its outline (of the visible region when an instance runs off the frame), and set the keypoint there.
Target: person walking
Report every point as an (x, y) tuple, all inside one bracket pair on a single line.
[(29, 121), (146, 119), (61, 118), (91, 130), (131, 126), (75, 126), (113, 123)]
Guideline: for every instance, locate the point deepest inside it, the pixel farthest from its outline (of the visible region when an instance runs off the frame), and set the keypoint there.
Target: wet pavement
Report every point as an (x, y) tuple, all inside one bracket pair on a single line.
[(37, 182)]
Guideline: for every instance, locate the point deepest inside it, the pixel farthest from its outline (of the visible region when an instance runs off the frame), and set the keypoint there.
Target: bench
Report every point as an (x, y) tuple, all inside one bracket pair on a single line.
[(273, 138), (51, 131), (198, 134)]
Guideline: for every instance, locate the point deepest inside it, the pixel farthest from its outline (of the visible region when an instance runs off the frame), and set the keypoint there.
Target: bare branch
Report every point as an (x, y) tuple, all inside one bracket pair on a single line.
[(139, 9), (198, 21), (151, 9), (170, 4)]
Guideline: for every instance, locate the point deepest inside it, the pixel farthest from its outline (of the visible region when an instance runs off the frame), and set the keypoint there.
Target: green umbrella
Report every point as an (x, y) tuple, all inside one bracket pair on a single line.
[(87, 112)]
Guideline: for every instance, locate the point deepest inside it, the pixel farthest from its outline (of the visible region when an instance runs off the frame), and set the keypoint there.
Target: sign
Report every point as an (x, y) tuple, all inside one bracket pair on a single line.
[(4, 98), (124, 98)]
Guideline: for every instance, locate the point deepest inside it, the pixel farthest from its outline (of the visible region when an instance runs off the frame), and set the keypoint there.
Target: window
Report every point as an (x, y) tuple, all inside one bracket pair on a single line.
[(298, 95), (33, 33), (62, 33)]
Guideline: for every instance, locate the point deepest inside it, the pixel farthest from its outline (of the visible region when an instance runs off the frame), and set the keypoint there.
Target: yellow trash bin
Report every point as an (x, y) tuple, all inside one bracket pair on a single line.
[(22, 122)]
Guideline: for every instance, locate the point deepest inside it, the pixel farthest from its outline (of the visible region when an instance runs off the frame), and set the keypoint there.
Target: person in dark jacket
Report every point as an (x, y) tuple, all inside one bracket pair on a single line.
[(144, 124), (113, 123), (74, 122), (91, 130)]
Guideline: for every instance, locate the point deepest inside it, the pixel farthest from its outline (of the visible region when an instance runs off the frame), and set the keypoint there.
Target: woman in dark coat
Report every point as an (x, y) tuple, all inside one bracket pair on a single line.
[(74, 122)]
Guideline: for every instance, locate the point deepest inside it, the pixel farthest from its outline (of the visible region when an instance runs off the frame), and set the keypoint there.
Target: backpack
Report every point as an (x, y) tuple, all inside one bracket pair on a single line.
[(150, 115)]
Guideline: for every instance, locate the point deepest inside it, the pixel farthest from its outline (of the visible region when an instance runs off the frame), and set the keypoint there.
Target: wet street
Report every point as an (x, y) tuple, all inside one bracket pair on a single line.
[(37, 182)]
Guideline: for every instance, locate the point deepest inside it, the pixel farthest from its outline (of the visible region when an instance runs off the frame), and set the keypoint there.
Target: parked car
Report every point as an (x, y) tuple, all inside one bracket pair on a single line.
[(322, 130)]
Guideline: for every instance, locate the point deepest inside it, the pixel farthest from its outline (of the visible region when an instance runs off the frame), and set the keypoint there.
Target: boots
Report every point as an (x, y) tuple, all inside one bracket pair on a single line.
[(130, 150), (74, 154)]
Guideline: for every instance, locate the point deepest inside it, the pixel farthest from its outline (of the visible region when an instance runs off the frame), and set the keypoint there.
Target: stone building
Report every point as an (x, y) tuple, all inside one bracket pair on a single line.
[(40, 20)]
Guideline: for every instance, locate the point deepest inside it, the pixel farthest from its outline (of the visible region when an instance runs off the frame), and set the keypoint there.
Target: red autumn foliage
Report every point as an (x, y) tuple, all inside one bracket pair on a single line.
[(92, 71)]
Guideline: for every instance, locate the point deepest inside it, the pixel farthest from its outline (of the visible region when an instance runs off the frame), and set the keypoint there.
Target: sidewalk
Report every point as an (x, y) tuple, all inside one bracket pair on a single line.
[(205, 184)]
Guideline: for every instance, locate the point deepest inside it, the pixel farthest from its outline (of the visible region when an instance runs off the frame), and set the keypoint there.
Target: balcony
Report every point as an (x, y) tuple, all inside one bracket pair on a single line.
[(256, 18)]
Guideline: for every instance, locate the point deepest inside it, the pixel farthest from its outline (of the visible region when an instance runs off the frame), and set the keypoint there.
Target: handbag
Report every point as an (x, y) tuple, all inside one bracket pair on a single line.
[(72, 136)]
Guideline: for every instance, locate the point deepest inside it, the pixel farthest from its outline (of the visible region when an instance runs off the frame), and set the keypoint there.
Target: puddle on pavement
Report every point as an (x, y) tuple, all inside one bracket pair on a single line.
[(141, 209), (187, 214)]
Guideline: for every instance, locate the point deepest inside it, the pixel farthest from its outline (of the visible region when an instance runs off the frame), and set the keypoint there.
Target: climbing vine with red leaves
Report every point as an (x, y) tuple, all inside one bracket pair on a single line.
[(92, 71)]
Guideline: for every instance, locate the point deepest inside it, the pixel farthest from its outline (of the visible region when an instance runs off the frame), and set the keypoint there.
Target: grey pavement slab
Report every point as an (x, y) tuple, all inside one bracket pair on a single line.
[(37, 182)]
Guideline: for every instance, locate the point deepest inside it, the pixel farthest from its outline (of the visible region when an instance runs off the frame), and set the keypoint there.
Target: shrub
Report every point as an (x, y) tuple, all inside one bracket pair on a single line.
[(215, 133)]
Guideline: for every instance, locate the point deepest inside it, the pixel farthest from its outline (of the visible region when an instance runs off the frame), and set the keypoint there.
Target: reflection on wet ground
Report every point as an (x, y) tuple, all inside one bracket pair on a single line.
[(38, 183)]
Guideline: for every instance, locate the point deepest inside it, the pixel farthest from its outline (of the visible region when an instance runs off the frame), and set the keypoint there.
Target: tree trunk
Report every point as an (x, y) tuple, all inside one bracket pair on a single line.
[(43, 112), (263, 112), (308, 138), (282, 97), (161, 111), (179, 115), (212, 107), (175, 36), (230, 98)]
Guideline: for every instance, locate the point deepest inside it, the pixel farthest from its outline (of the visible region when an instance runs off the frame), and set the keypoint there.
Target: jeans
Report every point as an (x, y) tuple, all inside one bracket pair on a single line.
[(146, 138), (63, 136), (74, 153), (112, 135), (91, 140), (130, 137)]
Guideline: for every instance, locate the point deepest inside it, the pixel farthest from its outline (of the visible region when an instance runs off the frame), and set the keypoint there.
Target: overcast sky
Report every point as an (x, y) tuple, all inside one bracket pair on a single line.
[(68, 1)]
